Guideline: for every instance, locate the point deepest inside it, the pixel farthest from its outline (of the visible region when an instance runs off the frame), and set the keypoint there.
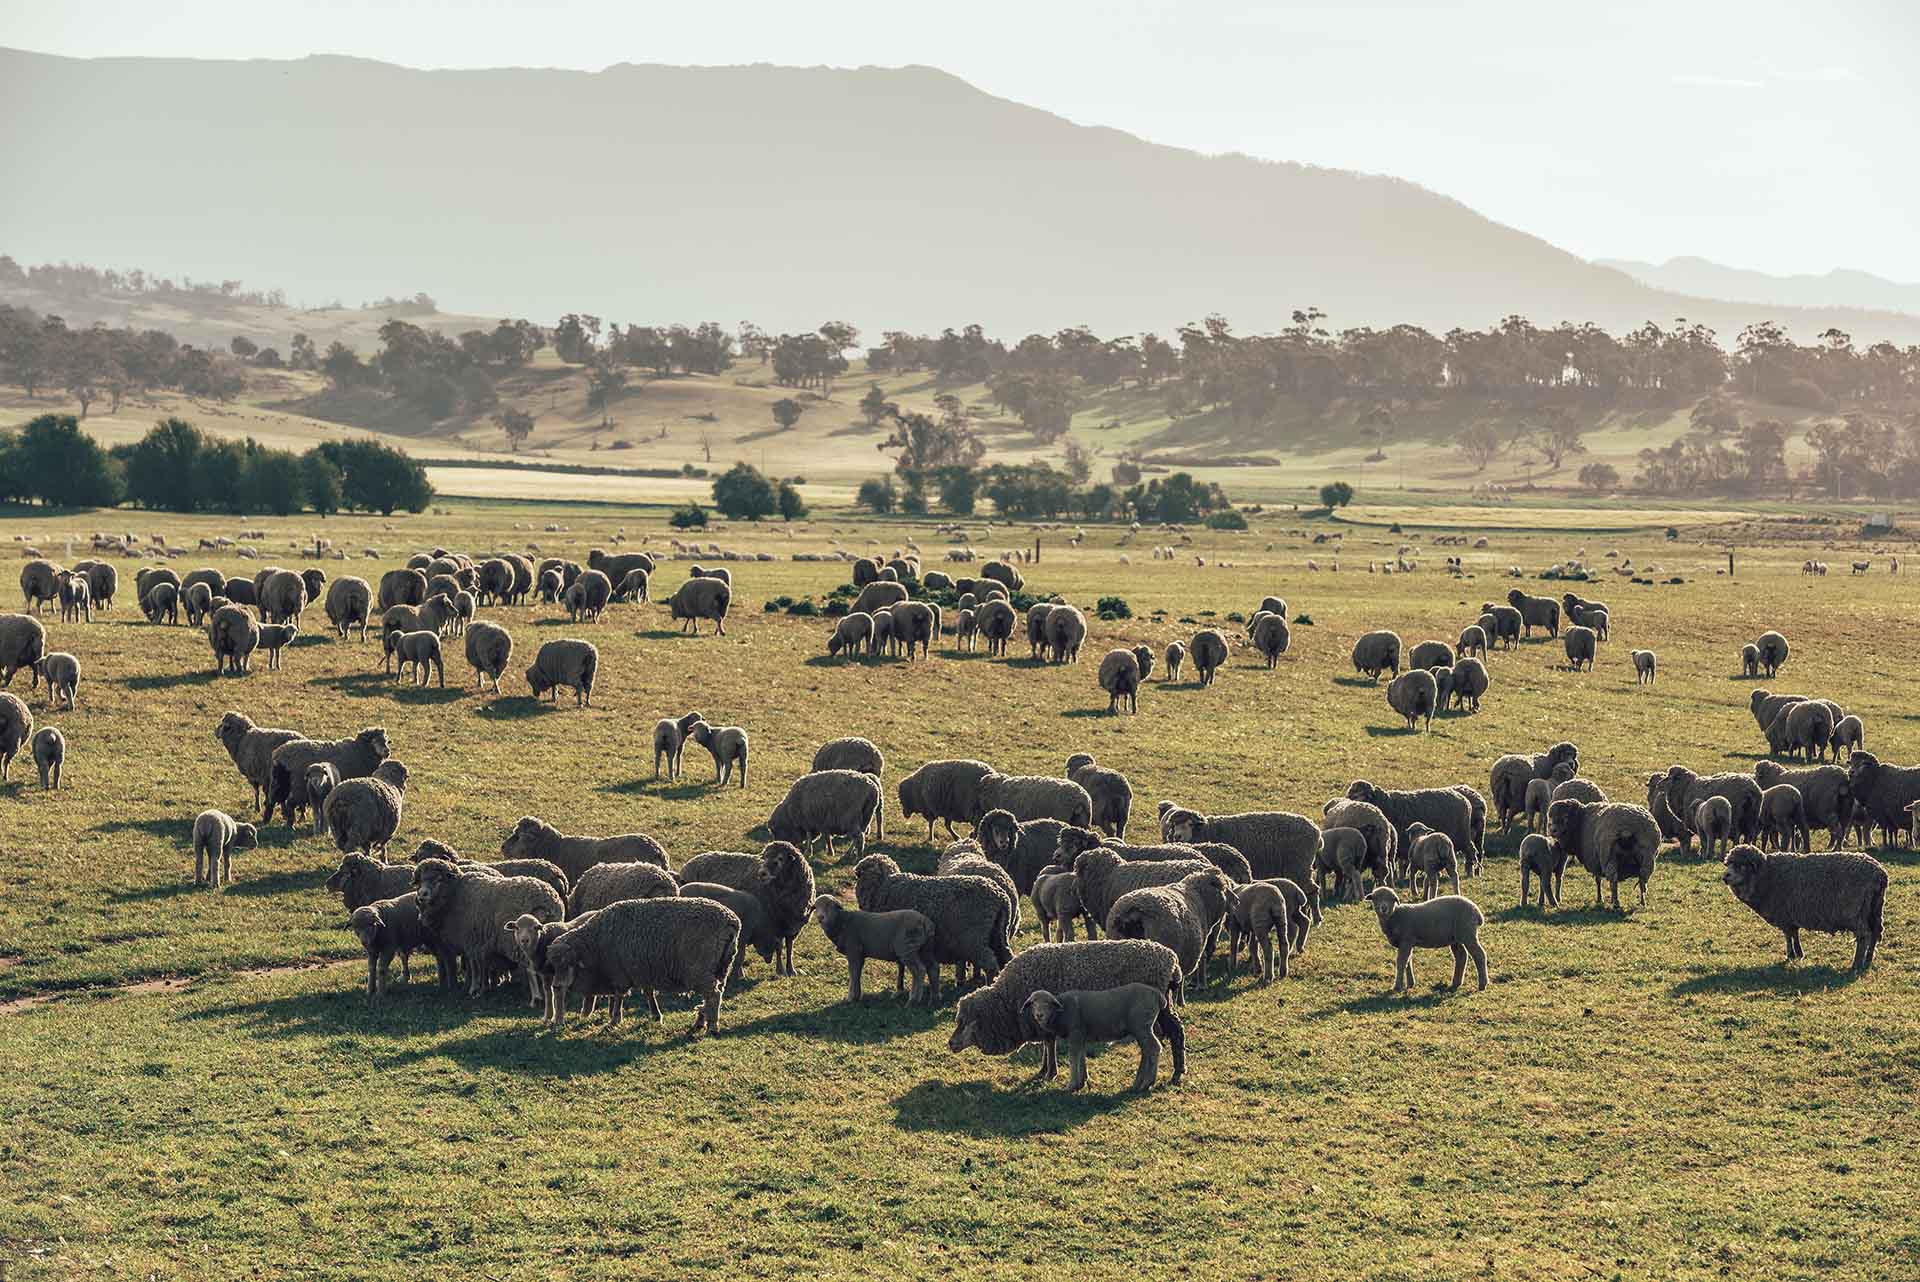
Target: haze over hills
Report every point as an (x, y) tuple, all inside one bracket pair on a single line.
[(1840, 287), (895, 198)]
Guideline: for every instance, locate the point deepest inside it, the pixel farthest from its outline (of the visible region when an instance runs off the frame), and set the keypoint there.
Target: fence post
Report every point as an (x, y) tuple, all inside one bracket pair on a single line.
[(1036, 549), (1729, 562)]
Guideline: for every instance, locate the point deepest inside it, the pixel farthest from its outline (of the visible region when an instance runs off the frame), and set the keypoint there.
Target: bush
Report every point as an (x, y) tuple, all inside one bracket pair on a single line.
[(690, 517), (1335, 494), (836, 609), (803, 609), (776, 605), (1227, 520), (1113, 607)]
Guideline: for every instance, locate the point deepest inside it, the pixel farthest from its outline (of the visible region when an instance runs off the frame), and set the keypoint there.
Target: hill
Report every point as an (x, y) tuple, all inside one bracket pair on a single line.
[(900, 196), (1838, 288)]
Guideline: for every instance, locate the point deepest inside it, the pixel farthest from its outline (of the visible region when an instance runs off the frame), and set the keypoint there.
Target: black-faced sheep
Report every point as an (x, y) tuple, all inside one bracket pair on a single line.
[(1832, 892)]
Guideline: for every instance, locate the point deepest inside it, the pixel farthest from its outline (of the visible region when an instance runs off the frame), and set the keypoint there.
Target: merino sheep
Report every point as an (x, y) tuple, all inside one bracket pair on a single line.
[(1502, 622), (533, 838), (23, 640), (216, 835), (354, 758), (1686, 790), (916, 623), (677, 945), (39, 585), (1254, 915), (251, 748), (568, 662), (609, 883), (390, 928), (1066, 631), (1276, 843), (1613, 840), (1451, 921), (1773, 650), (1414, 694), (970, 915), (1443, 810), (1712, 823), (1108, 789), (854, 753), (1473, 641), (1175, 656), (829, 804), (1037, 628), (1139, 1011), (1805, 728), (1834, 892), (1033, 797), (701, 598), (728, 745), (1750, 660), (1580, 646), (162, 601), (1645, 663), (900, 936), (851, 634), (1120, 678), (1428, 855), (1885, 791), (321, 779), (1507, 784), (878, 595), (996, 1021), (1103, 874), (1208, 650), (756, 928), (1541, 858), (1850, 734), (1184, 915), (779, 876), (1783, 819), (1826, 795), (361, 879), (1536, 612), (489, 649), (469, 912), (995, 619), (944, 791), (1377, 652), (421, 651), (49, 748), (1023, 849), (362, 814), (234, 636)]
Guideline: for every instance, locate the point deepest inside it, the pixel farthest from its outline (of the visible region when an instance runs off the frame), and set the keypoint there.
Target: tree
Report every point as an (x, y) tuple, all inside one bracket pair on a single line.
[(243, 347), (575, 338), (274, 481), (1600, 477), (605, 382), (874, 405), (1126, 474), (690, 517), (1559, 438), (1481, 444), (744, 493), (1335, 494), (787, 412), (300, 353), (63, 465), (926, 444), (161, 471), (377, 477), (321, 479), (792, 506), (877, 495), (1078, 461), (959, 487), (516, 423)]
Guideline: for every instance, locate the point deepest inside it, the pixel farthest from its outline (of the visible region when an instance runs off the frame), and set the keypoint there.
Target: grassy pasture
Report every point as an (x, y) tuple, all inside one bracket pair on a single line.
[(194, 1086)]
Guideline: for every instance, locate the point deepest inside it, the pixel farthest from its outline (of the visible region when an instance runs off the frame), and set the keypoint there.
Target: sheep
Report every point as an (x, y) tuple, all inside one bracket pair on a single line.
[(853, 753), (1577, 788), (390, 928), (1056, 899), (1120, 678), (1343, 855), (548, 587), (103, 581), (1767, 706), (1750, 660), (882, 641), (1023, 849), (1377, 652), (76, 598), (1033, 797), (234, 636), (1611, 839), (1686, 790), (827, 803), (146, 580), (779, 876), (964, 859), (1541, 858), (162, 601), (23, 639), (1429, 654), (1502, 622), (567, 662), (1539, 797), (1451, 921), (1271, 636), (756, 928), (1536, 612), (402, 587), (970, 915), (251, 748), (719, 573), (281, 596), (1139, 1011), (1805, 727), (49, 755), (1507, 782), (1208, 650), (609, 883), (995, 619), (850, 634), (1885, 791), (1104, 874), (1414, 694), (1109, 791), (489, 649), (321, 779), (353, 758), (680, 945), (900, 936), (1645, 662), (1440, 809), (966, 632), (1713, 822), (1429, 854), (1834, 892), (1066, 631), (1255, 913), (1579, 642), (587, 597), (728, 745), (944, 791), (703, 598), (198, 600), (468, 911), (1276, 843), (216, 835), (1773, 652), (1826, 795), (1037, 628), (533, 838), (39, 584), (1783, 819), (1850, 734), (878, 595), (364, 813), (61, 671), (1003, 573), (916, 622), (995, 1020), (1382, 852), (1175, 656), (275, 637)]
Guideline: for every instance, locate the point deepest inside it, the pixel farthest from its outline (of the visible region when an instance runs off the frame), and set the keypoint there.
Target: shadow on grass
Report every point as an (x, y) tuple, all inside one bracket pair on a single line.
[(1392, 732), (359, 685), (429, 694), (1079, 714), (279, 882), (668, 790), (1361, 682), (171, 680), (1426, 995), (515, 708), (1027, 1108), (306, 639), (176, 831), (1770, 977)]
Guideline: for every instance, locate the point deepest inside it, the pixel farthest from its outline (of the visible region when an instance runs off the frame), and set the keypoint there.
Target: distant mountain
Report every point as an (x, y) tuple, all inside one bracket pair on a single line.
[(1837, 288), (902, 198)]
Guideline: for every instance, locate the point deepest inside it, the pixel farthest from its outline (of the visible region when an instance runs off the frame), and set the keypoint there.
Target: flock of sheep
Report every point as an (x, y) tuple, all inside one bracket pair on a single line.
[(604, 916)]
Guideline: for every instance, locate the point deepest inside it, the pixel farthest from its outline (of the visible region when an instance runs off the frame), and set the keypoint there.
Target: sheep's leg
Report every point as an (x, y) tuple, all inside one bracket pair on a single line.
[(1459, 966), (1149, 1060), (373, 975)]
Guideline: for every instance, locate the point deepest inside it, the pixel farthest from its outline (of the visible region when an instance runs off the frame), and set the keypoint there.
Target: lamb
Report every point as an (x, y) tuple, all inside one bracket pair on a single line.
[(1885, 791), (1037, 628), (49, 756), (680, 945), (1377, 652), (728, 745), (216, 835), (966, 632), (198, 599), (854, 753), (882, 641), (76, 598), (1750, 660), (1109, 791), (353, 758), (321, 779), (1382, 839), (390, 928), (1176, 655), (533, 838), (827, 803), (1503, 622), (568, 662), (1034, 797), (1451, 921), (670, 740), (361, 879), (995, 1020), (1611, 839), (1536, 612), (1440, 809), (1343, 855), (1644, 665), (61, 671), (275, 637), (1139, 1011), (468, 911), (756, 928), (1103, 875), (1539, 797), (1276, 843), (1056, 899), (549, 587), (1826, 795), (1414, 694), (779, 876), (1686, 790), (1254, 915), (1783, 819), (900, 936), (944, 791), (364, 813), (1507, 785), (633, 586), (234, 636), (588, 596), (489, 649), (1429, 854), (1713, 823), (421, 650), (1540, 858), (850, 634), (1208, 650), (1120, 678), (1773, 652), (23, 639), (970, 916), (1832, 892), (1023, 849), (1473, 641), (1579, 642), (1271, 637), (252, 747), (1850, 734)]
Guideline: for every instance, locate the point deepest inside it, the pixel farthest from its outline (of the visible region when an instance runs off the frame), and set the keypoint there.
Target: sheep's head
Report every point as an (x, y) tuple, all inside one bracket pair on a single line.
[(784, 826), (1861, 767), (245, 837), (374, 740), (431, 880), (1745, 865), (431, 849), (529, 835), (1144, 657), (998, 831), (343, 876), (366, 924), (1417, 830), (870, 874), (1045, 1012), (785, 866), (690, 720), (1073, 843), (1384, 900), (826, 909), (1362, 790), (524, 931), (1565, 818), (536, 683), (1181, 824), (1515, 598), (392, 771)]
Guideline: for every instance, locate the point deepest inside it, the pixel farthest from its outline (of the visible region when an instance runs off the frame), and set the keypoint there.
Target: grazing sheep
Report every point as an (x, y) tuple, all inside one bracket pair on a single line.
[(321, 779), (1713, 823), (1541, 858), (1580, 643), (704, 598), (251, 748), (1033, 797), (1429, 654), (1271, 637), (854, 753), (1773, 652), (1644, 665), (568, 662), (354, 758), (49, 755), (39, 584), (1507, 784), (390, 928), (1473, 641), (489, 649), (1886, 792), (878, 595), (1056, 899), (1832, 892), (1767, 706), (1808, 729), (1111, 794), (1254, 915), (1104, 874), (1826, 795), (23, 639), (362, 814), (61, 672), (533, 838), (1850, 734), (1139, 1011), (900, 936), (234, 636), (469, 912), (1783, 819), (679, 945), (756, 928), (1120, 678), (1377, 652), (1184, 915), (102, 582), (1023, 849), (851, 633), (1577, 788), (216, 835), (1469, 681), (1002, 573), (402, 587), (1428, 855), (1451, 921), (728, 745), (1611, 839), (996, 1021), (162, 601), (1208, 650), (1686, 790), (779, 876), (1066, 631), (609, 883), (1414, 694), (1750, 660), (1176, 655), (829, 804), (970, 915), (944, 791), (1536, 612), (995, 619)]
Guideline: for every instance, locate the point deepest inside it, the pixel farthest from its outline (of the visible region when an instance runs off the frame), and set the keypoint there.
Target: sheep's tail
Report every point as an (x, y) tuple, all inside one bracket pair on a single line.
[(725, 966), (588, 667)]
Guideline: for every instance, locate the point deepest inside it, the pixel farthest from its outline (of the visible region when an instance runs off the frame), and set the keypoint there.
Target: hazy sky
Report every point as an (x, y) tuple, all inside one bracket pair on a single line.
[(1771, 135)]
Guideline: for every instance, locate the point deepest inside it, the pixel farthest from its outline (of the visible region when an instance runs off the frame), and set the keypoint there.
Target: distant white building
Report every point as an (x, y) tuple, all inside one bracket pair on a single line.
[(1879, 523)]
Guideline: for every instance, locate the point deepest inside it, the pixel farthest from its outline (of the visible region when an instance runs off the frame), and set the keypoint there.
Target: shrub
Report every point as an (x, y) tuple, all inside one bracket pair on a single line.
[(1335, 494), (1227, 520), (1113, 607), (690, 517), (804, 609)]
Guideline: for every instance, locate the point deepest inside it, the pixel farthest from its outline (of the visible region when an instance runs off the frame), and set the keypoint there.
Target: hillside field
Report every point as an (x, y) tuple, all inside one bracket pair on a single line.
[(196, 1085)]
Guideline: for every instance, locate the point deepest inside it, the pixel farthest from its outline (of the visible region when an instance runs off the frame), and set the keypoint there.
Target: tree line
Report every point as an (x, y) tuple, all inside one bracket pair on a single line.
[(176, 467)]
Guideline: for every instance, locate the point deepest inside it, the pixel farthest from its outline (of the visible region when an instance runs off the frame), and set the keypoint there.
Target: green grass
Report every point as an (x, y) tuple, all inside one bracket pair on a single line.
[(1648, 1095)]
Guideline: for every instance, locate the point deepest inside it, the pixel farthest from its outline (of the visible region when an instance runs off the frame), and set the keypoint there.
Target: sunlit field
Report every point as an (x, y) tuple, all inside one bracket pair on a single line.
[(195, 1085)]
